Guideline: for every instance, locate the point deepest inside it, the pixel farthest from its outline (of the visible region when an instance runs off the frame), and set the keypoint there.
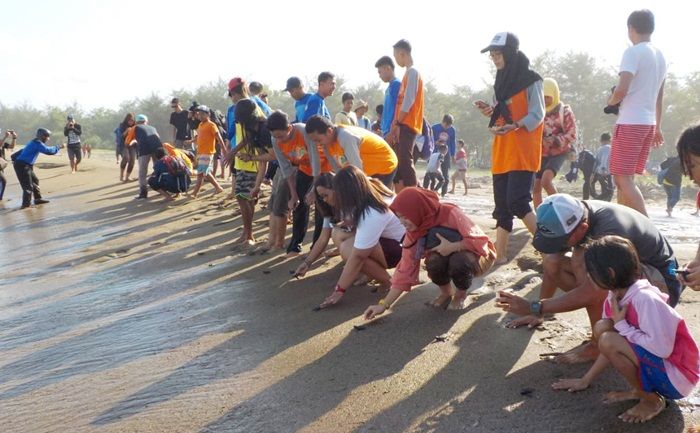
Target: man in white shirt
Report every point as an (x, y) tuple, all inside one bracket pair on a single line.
[(640, 93)]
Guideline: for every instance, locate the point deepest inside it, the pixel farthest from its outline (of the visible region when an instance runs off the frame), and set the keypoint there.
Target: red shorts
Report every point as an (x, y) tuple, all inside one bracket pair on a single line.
[(630, 149)]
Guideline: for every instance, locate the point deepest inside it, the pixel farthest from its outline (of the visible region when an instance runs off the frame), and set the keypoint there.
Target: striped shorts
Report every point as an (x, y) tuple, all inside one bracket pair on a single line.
[(630, 149)]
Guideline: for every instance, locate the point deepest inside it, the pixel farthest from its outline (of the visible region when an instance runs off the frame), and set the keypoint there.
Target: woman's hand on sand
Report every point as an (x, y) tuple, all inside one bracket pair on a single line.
[(571, 385), (333, 299), (373, 311)]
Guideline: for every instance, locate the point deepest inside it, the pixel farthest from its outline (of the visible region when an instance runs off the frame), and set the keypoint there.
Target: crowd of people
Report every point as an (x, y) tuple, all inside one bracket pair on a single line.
[(360, 177)]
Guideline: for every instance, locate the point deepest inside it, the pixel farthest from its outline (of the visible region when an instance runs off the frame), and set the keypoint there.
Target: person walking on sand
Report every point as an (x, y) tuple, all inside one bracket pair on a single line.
[(461, 162), (23, 163), (208, 137), (640, 335), (73, 131), (455, 250), (639, 93), (125, 149), (516, 124)]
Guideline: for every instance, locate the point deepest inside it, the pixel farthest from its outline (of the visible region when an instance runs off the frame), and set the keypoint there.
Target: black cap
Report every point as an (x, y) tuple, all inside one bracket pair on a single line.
[(292, 83), (43, 132)]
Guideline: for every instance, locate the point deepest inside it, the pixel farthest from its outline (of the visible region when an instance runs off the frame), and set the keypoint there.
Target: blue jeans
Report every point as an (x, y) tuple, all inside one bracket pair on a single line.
[(673, 195)]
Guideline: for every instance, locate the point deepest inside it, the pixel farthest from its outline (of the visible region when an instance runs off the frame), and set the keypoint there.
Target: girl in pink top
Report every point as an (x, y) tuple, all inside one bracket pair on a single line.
[(645, 339), (450, 262)]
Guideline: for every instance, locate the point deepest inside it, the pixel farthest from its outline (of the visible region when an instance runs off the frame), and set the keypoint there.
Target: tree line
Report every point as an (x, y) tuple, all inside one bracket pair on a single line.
[(585, 86)]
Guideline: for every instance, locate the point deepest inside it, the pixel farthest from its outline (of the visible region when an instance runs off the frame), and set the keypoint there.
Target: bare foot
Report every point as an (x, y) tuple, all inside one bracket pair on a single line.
[(459, 301), (644, 411), (291, 254), (586, 352), (613, 397), (441, 301)]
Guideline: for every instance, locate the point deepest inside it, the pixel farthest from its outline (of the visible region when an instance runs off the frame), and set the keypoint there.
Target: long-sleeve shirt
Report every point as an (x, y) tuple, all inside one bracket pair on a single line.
[(559, 131), (73, 133), (652, 324), (602, 160), (473, 239), (391, 95), (31, 151)]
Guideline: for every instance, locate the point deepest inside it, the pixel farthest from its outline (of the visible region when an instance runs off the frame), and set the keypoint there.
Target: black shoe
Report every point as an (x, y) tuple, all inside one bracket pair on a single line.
[(140, 197), (24, 206), (294, 249), (40, 201)]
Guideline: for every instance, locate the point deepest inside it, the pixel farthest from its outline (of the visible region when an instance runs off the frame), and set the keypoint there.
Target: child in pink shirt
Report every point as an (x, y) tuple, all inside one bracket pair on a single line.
[(645, 339)]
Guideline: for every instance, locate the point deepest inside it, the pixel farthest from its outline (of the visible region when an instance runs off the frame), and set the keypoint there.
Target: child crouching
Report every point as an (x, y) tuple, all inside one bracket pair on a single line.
[(645, 339)]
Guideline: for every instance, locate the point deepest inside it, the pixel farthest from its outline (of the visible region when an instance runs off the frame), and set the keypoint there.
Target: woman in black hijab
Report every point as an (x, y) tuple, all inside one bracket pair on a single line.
[(516, 123)]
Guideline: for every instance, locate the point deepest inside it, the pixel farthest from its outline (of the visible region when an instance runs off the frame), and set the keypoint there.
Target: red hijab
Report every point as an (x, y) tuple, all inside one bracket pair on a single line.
[(423, 208)]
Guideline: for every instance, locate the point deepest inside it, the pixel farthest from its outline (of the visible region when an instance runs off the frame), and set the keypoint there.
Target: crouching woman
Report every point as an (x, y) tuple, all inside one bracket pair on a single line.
[(455, 249), (170, 175)]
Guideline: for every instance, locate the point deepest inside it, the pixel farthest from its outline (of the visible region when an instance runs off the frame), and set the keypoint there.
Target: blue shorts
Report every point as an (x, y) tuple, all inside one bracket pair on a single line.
[(652, 374)]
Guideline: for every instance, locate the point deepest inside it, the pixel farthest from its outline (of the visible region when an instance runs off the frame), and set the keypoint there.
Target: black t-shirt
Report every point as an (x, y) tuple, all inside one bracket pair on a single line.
[(613, 219), (586, 161), (147, 139), (181, 124)]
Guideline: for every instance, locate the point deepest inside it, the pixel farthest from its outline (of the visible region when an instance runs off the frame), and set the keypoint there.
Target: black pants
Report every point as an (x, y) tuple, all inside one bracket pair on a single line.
[(445, 168), (587, 184), (431, 178), (512, 194), (28, 181), (300, 215)]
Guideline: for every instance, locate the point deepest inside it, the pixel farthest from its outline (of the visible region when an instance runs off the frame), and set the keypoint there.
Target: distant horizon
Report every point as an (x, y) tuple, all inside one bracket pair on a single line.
[(85, 54)]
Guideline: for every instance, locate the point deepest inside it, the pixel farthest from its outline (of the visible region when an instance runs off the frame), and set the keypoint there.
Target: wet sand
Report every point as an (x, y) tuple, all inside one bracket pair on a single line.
[(126, 316)]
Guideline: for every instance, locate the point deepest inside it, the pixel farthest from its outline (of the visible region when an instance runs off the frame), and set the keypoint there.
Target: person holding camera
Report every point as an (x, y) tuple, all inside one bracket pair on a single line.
[(3, 160), (73, 131), (23, 162)]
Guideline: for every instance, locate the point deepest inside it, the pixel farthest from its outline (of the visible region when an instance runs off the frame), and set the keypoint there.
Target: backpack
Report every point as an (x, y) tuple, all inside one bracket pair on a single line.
[(175, 166), (219, 120), (425, 143)]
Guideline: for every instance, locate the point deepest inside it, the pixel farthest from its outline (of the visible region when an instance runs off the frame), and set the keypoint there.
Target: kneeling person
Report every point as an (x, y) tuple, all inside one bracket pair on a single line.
[(170, 175)]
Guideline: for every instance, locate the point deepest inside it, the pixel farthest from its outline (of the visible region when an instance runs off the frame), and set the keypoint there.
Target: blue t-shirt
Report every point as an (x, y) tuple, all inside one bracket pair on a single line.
[(300, 107), (31, 151), (231, 125), (316, 106), (450, 134), (391, 96), (263, 106)]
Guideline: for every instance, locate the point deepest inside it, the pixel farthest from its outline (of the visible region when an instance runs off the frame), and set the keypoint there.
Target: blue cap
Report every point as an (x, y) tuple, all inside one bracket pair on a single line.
[(141, 118), (557, 217)]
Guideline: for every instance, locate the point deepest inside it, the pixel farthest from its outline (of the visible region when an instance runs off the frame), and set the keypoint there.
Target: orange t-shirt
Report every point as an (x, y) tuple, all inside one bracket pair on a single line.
[(130, 135), (297, 153), (206, 138), (520, 149), (363, 149), (414, 118)]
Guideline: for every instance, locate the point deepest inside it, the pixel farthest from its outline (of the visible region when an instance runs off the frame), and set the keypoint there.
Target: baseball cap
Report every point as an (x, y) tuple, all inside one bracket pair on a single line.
[(141, 118), (557, 217), (235, 82), (501, 40), (43, 132), (292, 83), (202, 108)]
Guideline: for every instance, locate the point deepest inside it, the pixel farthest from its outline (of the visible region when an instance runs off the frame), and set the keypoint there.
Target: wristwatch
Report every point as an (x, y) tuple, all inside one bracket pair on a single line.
[(536, 308), (383, 303)]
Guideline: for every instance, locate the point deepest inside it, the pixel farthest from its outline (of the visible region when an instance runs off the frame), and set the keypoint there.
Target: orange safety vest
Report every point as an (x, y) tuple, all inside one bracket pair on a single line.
[(520, 149), (414, 118), (377, 156), (297, 153)]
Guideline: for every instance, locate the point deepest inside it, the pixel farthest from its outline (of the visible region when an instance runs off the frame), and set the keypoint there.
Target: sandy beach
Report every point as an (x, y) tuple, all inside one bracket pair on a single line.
[(119, 315)]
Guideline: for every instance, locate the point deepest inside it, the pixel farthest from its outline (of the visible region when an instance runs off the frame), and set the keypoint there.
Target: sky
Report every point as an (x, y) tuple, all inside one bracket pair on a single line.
[(100, 53)]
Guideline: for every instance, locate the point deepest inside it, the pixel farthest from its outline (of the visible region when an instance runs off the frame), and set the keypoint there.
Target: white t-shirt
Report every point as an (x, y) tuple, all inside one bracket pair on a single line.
[(648, 66), (434, 162), (374, 225)]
